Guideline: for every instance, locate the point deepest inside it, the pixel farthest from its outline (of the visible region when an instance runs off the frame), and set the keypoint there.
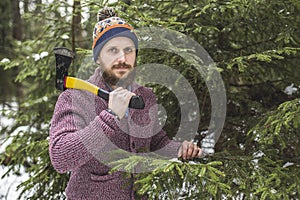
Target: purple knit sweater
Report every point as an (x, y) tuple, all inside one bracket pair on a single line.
[(83, 137)]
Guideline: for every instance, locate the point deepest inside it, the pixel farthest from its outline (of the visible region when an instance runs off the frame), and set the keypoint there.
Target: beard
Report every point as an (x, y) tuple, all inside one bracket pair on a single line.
[(113, 80)]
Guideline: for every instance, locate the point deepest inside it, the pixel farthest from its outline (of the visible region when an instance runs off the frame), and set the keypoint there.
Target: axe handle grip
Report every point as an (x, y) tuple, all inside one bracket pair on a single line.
[(75, 83)]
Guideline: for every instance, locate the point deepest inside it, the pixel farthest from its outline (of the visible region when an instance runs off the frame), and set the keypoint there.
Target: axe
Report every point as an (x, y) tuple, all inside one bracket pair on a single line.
[(64, 57)]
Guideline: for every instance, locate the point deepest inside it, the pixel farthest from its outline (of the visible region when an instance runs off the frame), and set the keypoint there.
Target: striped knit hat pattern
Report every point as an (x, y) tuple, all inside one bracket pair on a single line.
[(109, 25)]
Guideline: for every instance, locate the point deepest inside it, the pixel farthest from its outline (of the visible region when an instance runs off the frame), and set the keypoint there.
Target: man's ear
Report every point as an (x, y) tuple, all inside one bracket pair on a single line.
[(98, 61)]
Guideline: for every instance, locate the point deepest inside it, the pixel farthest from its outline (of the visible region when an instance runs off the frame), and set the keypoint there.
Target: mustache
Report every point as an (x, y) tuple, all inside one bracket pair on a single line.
[(122, 65)]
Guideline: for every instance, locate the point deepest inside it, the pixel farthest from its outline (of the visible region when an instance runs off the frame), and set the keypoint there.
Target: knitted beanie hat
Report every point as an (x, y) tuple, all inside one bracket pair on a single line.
[(108, 27)]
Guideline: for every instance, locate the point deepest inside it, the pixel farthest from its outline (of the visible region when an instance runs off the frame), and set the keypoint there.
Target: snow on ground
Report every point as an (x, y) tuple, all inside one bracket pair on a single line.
[(9, 183)]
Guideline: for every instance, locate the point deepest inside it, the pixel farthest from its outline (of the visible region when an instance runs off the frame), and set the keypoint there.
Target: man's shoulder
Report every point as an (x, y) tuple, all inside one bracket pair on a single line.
[(75, 95)]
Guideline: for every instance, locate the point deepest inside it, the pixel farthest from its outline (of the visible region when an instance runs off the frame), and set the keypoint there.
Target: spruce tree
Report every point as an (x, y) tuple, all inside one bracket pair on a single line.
[(255, 45)]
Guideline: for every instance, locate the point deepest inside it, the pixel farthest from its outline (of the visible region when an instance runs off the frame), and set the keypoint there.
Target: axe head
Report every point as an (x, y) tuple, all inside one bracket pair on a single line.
[(63, 58)]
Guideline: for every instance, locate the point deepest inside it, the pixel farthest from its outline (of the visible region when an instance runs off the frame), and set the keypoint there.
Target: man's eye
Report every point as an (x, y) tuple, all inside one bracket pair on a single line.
[(113, 50), (128, 50)]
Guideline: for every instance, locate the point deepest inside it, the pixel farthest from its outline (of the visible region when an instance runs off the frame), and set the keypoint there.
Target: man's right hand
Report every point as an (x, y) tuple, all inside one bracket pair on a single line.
[(119, 100)]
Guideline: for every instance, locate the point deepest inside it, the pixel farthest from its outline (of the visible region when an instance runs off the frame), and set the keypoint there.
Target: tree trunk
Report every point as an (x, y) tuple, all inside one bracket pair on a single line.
[(17, 34), (76, 25), (17, 31)]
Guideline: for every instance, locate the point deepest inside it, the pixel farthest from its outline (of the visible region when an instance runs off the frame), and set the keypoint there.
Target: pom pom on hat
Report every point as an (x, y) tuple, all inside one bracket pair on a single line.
[(109, 25), (105, 12)]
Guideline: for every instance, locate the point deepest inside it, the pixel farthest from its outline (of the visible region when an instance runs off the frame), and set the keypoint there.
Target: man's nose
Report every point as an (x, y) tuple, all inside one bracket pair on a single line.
[(121, 57)]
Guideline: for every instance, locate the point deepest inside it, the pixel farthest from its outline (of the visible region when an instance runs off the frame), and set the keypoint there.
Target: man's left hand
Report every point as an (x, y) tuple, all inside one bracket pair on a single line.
[(189, 150)]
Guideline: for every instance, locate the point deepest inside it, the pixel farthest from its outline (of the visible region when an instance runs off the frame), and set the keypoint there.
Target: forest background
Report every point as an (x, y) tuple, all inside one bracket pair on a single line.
[(255, 45)]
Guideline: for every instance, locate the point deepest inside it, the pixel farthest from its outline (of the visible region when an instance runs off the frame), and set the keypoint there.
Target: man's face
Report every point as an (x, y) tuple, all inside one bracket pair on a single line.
[(117, 59)]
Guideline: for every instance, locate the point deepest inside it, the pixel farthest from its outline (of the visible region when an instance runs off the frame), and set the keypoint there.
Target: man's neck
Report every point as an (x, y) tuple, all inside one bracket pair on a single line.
[(113, 87)]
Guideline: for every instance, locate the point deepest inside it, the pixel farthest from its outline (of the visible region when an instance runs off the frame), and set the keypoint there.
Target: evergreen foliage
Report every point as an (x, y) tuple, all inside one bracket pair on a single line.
[(254, 43)]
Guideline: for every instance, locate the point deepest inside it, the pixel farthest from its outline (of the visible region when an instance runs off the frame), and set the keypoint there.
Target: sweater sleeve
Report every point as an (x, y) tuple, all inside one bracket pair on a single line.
[(164, 146), (76, 132)]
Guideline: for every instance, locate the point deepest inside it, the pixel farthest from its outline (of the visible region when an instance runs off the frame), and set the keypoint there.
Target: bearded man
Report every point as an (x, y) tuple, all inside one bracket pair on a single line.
[(86, 128)]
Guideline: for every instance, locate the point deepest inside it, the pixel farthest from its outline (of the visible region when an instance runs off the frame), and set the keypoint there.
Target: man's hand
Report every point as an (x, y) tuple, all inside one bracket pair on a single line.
[(119, 100), (189, 150)]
